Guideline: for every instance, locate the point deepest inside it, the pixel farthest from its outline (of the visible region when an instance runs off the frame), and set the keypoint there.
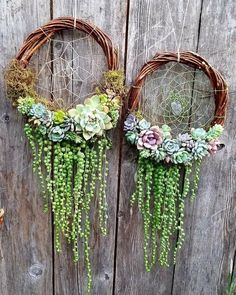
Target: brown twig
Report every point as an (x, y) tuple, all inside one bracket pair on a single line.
[(1, 215)]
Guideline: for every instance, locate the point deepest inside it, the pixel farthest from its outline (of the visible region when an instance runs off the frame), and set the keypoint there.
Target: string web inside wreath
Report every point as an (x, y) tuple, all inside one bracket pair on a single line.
[(179, 96), (70, 67)]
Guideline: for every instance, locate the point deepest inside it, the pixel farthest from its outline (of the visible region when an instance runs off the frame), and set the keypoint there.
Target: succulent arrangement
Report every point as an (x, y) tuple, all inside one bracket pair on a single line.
[(69, 154), (157, 143), (85, 121), (161, 162)]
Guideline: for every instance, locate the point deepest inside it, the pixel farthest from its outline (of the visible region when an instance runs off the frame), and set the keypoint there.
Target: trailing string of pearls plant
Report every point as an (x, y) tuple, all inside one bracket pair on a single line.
[(162, 159), (69, 146)]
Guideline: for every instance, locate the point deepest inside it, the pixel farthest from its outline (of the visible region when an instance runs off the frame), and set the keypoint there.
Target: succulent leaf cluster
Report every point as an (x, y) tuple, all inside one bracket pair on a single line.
[(84, 122), (157, 143)]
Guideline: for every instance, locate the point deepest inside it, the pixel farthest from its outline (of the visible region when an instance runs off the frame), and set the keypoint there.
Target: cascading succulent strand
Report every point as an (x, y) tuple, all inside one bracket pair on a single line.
[(72, 175), (161, 203), (158, 193), (103, 146)]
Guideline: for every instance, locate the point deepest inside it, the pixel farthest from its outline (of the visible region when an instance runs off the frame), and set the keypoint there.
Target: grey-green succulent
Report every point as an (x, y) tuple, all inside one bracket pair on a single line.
[(166, 131), (38, 110), (46, 118), (171, 146), (200, 149), (56, 134), (159, 154), (132, 137), (182, 157)]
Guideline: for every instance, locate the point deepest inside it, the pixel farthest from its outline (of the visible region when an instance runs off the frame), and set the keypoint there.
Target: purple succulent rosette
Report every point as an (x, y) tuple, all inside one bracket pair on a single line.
[(157, 143), (150, 139)]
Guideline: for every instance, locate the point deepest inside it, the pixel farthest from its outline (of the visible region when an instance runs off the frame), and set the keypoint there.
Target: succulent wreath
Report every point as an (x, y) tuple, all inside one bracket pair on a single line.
[(69, 145), (162, 158)]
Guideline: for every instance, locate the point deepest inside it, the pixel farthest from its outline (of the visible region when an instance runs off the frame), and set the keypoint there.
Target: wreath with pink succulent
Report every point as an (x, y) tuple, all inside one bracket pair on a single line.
[(163, 159)]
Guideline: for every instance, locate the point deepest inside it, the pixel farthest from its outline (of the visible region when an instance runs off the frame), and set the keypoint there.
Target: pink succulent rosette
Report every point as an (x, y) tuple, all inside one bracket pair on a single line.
[(150, 139), (213, 146)]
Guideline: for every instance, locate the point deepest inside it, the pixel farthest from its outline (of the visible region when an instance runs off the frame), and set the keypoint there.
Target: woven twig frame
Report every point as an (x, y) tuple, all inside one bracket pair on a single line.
[(40, 36), (190, 59)]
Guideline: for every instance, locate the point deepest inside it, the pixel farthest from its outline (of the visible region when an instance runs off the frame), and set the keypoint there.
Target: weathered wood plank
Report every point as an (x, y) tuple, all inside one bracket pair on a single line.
[(111, 17), (25, 236), (153, 26), (204, 263)]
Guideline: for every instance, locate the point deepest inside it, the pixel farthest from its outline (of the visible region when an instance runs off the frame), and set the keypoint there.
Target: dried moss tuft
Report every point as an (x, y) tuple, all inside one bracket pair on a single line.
[(114, 80), (19, 81)]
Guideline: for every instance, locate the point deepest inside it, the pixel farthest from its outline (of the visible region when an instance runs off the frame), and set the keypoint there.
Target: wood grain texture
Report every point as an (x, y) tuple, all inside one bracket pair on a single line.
[(25, 236), (152, 28), (111, 17), (204, 263), (28, 262)]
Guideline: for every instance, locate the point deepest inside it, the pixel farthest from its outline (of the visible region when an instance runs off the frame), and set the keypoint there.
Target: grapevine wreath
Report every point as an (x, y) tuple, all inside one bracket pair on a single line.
[(162, 159), (69, 145)]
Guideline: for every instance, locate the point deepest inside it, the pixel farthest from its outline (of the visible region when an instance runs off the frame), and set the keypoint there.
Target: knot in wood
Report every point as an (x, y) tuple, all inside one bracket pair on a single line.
[(35, 271)]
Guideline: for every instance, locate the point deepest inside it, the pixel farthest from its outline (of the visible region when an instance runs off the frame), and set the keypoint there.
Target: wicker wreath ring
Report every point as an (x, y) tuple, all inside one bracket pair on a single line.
[(43, 34), (108, 97), (190, 59)]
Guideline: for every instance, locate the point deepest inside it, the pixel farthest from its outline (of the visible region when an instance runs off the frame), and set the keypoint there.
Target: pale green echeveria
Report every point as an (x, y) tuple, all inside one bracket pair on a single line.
[(198, 133), (166, 131), (25, 104), (90, 121), (200, 149), (143, 124), (182, 157), (96, 102), (56, 134), (215, 132)]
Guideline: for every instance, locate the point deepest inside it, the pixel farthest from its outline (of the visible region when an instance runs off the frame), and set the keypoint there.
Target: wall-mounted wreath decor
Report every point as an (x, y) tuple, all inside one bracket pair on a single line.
[(163, 158), (69, 145)]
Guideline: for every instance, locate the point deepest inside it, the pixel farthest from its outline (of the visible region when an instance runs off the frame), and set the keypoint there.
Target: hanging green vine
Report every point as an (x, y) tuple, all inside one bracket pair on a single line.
[(70, 182), (158, 194), (69, 154)]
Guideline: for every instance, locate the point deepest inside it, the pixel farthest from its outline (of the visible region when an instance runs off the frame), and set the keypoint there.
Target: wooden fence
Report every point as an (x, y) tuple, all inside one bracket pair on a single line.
[(28, 262)]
